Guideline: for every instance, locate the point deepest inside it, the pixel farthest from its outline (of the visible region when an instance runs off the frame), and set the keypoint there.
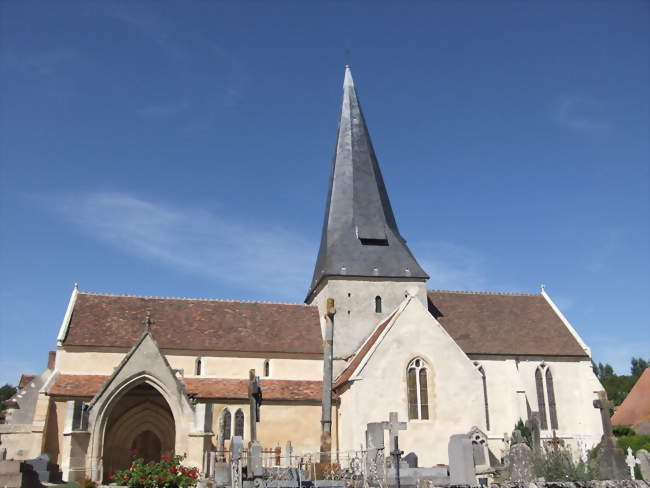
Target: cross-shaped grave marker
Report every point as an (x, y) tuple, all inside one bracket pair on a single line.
[(631, 461), (393, 426), (605, 407)]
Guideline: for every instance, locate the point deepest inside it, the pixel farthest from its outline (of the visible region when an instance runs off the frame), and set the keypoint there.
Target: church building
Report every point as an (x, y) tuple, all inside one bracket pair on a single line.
[(170, 375)]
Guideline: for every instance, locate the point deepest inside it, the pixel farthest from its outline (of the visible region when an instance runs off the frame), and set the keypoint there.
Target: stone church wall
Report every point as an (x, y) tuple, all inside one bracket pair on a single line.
[(455, 394), (226, 366)]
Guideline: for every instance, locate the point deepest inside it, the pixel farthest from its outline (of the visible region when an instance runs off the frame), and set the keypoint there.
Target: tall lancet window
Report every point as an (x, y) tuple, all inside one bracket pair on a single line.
[(198, 367), (550, 394), (417, 389), (377, 304), (226, 423), (541, 401), (546, 397), (480, 369), (239, 422)]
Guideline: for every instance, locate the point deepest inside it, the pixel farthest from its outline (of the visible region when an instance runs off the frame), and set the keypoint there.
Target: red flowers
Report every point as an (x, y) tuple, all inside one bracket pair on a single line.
[(169, 472)]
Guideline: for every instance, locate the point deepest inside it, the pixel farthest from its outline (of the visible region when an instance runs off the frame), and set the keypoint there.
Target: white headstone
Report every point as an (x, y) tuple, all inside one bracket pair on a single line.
[(631, 462)]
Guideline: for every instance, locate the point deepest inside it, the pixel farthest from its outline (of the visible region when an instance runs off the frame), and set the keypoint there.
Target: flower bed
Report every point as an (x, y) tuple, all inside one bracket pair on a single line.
[(167, 473)]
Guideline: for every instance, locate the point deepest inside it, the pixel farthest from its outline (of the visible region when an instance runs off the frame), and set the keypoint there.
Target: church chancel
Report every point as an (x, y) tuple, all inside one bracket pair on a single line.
[(442, 362)]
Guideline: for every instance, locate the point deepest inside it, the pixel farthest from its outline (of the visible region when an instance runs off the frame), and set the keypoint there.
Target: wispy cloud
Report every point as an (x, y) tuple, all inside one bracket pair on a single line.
[(581, 114), (268, 257)]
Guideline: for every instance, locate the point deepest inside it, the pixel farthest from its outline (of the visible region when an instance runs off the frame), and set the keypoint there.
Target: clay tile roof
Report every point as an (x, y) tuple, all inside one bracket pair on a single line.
[(222, 388), (635, 409), (25, 379), (197, 324), (346, 374), (77, 385), (502, 323), (238, 389)]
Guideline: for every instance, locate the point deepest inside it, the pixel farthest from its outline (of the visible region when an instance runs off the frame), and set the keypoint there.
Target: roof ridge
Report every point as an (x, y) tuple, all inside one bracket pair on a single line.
[(151, 297), (505, 293)]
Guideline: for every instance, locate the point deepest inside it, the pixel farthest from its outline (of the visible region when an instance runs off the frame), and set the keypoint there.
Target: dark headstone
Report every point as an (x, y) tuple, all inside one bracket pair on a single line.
[(611, 460), (411, 460)]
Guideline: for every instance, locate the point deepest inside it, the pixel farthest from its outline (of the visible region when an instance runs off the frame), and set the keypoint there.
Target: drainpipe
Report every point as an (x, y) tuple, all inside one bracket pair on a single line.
[(326, 415)]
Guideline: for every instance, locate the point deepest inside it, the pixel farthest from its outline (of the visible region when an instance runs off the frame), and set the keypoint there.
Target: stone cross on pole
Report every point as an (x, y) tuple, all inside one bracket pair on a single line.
[(631, 461), (393, 426), (605, 407), (255, 398)]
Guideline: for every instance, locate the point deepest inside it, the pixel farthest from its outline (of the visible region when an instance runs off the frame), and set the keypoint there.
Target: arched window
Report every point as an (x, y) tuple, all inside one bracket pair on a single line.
[(198, 367), (550, 394), (480, 369), (546, 397), (541, 401), (267, 368), (377, 304), (418, 393), (239, 422), (226, 423)]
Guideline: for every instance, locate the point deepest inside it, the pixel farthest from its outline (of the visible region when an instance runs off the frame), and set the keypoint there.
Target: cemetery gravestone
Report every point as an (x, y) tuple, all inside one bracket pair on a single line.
[(393, 426), (611, 463), (520, 461), (533, 424), (411, 459), (461, 461), (288, 449), (644, 463), (631, 462)]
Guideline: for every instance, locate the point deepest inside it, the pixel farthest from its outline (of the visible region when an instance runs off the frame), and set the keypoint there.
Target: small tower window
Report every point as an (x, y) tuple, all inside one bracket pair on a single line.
[(267, 368), (377, 304), (198, 367)]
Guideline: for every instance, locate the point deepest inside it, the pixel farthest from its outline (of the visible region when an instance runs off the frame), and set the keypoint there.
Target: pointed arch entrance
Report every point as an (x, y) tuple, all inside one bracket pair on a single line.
[(141, 419)]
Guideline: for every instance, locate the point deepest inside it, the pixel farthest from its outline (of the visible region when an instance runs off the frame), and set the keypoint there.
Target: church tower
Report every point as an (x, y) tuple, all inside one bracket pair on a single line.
[(363, 263)]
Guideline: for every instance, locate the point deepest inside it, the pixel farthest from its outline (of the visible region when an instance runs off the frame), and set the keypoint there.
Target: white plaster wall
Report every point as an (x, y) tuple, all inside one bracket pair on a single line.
[(502, 384), (354, 300), (279, 368), (104, 363), (455, 388), (87, 362), (575, 388)]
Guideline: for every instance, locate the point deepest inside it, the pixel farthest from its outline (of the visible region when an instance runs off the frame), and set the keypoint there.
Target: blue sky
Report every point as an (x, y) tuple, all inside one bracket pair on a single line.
[(184, 148)]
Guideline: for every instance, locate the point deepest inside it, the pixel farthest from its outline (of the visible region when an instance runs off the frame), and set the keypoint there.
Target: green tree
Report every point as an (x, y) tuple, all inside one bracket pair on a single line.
[(618, 386), (639, 365), (6, 392)]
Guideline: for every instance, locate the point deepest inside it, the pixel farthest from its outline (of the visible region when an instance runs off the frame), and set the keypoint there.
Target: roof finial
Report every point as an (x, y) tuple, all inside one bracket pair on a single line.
[(76, 286), (543, 287), (148, 322)]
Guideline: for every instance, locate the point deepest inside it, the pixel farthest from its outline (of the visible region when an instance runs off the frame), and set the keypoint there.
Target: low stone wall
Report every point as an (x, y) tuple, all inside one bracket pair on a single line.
[(577, 484)]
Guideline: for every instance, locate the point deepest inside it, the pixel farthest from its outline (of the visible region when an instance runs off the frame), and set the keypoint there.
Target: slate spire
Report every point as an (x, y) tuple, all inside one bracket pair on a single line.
[(360, 236)]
